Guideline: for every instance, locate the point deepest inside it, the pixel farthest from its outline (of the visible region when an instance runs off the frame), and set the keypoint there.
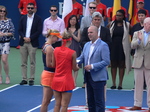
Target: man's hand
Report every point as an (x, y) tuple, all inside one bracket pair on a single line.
[(88, 67), (26, 39), (140, 35)]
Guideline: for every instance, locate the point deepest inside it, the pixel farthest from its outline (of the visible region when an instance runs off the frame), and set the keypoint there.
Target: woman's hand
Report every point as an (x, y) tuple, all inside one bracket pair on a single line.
[(70, 31)]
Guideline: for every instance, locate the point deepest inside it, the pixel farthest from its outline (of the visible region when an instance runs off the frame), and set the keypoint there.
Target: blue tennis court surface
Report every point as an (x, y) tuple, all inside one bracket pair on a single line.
[(28, 99)]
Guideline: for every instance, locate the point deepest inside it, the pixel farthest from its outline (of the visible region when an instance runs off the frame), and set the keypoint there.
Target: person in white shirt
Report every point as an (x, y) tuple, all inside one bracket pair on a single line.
[(30, 27)]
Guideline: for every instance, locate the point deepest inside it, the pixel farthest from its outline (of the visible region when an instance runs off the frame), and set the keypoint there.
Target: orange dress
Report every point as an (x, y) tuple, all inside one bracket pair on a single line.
[(63, 79), (48, 73)]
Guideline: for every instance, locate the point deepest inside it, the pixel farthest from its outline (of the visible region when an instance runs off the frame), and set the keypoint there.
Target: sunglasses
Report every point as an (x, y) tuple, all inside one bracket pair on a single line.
[(2, 11), (92, 7), (53, 10), (30, 8)]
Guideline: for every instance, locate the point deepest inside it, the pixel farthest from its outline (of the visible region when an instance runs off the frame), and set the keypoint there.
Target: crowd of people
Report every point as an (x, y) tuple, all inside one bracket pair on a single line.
[(73, 43)]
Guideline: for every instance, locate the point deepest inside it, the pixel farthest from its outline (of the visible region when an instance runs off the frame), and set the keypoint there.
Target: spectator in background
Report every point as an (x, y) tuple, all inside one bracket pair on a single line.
[(138, 26), (53, 22), (23, 9), (86, 20), (6, 33), (74, 29), (48, 72), (23, 6), (30, 28), (141, 64), (120, 49), (64, 60), (140, 5), (102, 8), (110, 13), (103, 32), (77, 10)]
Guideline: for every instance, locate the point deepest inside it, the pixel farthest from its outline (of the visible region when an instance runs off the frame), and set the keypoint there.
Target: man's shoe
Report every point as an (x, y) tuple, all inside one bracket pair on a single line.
[(132, 89), (113, 87), (135, 108), (31, 82), (119, 87), (23, 82), (83, 86)]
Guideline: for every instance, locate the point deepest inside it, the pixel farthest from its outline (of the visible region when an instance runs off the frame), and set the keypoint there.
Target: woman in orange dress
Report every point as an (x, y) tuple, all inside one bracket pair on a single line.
[(48, 72), (64, 60)]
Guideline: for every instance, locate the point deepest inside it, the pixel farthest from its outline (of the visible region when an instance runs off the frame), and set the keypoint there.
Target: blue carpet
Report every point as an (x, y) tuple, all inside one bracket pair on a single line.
[(28, 99)]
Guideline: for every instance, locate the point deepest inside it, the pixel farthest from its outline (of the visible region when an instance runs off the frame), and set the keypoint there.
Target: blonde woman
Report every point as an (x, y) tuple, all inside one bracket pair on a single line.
[(6, 33), (64, 60), (48, 72)]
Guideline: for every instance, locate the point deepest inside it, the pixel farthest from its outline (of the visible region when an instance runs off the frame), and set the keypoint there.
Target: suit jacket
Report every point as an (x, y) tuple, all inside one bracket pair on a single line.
[(104, 35), (100, 58), (85, 22), (142, 52), (36, 30)]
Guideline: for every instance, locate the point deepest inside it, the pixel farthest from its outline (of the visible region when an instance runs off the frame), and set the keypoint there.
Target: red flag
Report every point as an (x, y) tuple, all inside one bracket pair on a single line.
[(132, 12)]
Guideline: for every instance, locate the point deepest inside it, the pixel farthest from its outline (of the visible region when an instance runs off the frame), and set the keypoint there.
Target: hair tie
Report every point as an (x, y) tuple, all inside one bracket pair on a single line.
[(65, 41)]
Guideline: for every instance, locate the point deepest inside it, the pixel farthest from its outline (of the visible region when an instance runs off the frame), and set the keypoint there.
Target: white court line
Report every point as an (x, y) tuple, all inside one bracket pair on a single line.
[(51, 101), (8, 88), (119, 90), (14, 86)]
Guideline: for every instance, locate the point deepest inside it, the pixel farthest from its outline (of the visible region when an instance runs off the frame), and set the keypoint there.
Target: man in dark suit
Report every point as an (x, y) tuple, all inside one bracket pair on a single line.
[(103, 32), (95, 56), (30, 28)]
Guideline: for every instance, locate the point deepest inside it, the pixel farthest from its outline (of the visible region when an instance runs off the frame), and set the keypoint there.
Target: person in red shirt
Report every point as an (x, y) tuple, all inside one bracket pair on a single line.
[(101, 8), (77, 10), (23, 6), (140, 5), (64, 61)]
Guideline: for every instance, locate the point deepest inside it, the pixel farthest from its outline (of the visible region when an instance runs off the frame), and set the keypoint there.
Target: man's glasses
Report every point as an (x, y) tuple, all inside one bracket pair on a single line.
[(30, 8), (92, 7), (2, 11), (53, 10)]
